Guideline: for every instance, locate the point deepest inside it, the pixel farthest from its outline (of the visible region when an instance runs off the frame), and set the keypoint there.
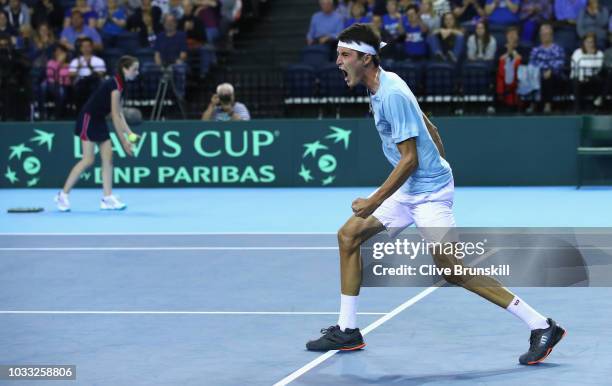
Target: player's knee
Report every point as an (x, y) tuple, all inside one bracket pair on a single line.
[(87, 161), (348, 237)]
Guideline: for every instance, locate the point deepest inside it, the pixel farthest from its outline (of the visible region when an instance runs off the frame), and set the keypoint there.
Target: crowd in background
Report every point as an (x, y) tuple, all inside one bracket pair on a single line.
[(516, 37), (59, 50)]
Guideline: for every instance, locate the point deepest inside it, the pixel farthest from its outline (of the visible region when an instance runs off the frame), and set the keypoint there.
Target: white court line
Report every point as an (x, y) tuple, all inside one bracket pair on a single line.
[(408, 303), (42, 249), (42, 312), (167, 234)]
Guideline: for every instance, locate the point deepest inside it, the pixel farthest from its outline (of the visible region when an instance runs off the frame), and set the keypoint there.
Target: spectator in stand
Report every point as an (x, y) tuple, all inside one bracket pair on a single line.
[(357, 15), (18, 14), (468, 12), (112, 23), (208, 12), (162, 4), (403, 5), (87, 13), (192, 25), (502, 13), (86, 72), (5, 27), (25, 42), (131, 6), (231, 10), (567, 11), (78, 29), (44, 44), (415, 46), (175, 7), (325, 26), (607, 66), (56, 83), (146, 21), (385, 36), (507, 70), (393, 20), (430, 19), (171, 52), (223, 106), (440, 7), (550, 58), (481, 46), (446, 43), (98, 6), (370, 7), (587, 62), (532, 14), (594, 19), (48, 12), (343, 8), (14, 81)]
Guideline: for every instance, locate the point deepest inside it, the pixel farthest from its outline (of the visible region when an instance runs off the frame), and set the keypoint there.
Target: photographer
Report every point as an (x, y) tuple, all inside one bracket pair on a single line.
[(223, 106)]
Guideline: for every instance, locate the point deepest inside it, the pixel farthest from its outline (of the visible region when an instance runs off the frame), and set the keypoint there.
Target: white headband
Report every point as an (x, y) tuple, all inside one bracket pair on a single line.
[(360, 46)]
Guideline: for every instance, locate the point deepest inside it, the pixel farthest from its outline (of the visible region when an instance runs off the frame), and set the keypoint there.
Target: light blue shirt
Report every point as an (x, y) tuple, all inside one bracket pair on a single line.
[(398, 117)]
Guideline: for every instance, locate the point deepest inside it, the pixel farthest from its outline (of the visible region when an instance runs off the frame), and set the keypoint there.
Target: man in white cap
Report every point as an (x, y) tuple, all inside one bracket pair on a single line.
[(418, 191)]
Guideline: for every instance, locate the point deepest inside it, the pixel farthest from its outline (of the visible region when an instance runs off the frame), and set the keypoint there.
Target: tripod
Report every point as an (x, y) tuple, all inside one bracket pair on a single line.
[(166, 80)]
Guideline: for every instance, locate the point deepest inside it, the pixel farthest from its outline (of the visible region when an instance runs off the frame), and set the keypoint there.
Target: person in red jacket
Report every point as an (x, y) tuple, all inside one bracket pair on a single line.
[(507, 68)]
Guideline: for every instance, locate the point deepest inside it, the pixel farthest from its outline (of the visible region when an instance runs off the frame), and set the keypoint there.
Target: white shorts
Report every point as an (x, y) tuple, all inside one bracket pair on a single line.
[(432, 213)]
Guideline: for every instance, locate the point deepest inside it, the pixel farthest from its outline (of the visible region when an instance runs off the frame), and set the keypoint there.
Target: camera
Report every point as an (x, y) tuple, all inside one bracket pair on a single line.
[(225, 99)]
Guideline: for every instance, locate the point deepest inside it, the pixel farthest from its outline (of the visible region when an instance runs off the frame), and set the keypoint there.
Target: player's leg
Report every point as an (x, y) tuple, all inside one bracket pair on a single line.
[(109, 201), (434, 218), (85, 163), (106, 154), (61, 199), (345, 335)]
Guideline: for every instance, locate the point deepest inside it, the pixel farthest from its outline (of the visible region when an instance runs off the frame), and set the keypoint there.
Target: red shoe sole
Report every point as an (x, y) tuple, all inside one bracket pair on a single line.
[(354, 348)]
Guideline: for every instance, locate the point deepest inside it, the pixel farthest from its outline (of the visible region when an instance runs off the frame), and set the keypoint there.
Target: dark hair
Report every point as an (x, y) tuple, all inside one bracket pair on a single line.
[(485, 39), (512, 28), (365, 33), (443, 21), (80, 41), (546, 23), (126, 61), (413, 7), (584, 39)]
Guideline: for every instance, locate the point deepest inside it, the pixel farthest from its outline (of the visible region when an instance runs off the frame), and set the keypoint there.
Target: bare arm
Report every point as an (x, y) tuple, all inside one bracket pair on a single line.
[(121, 126), (404, 168), (489, 8), (512, 7), (433, 131)]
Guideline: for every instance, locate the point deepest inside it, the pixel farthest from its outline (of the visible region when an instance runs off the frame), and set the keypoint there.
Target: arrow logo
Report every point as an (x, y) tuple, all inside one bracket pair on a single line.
[(43, 138), (312, 148), (17, 151), (339, 135)]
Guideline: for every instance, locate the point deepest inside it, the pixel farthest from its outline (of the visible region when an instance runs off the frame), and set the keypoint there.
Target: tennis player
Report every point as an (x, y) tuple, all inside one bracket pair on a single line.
[(91, 127), (418, 191)]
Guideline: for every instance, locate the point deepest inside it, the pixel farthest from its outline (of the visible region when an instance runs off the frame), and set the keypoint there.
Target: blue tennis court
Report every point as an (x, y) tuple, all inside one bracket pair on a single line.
[(225, 286)]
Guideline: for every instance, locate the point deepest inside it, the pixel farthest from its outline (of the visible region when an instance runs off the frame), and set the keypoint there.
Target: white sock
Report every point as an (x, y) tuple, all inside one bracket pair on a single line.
[(348, 312), (524, 312), (63, 194)]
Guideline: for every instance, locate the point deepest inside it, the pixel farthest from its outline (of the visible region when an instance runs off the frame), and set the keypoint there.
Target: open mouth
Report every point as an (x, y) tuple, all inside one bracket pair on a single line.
[(345, 74)]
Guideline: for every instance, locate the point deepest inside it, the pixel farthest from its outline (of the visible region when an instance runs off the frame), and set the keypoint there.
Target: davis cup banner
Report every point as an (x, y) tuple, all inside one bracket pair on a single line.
[(183, 153)]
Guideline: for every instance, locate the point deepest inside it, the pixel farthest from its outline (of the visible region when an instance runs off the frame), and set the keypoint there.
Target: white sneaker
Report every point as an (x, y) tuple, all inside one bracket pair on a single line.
[(112, 203), (63, 204)]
